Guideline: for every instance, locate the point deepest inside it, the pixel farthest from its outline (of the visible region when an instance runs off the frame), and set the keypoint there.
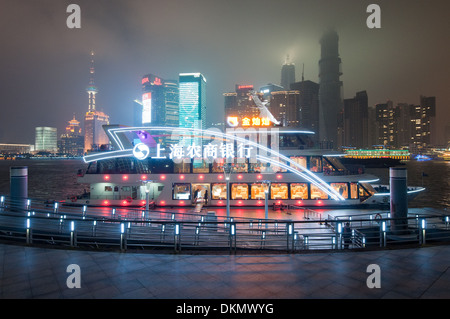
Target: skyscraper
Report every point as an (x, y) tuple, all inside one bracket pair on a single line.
[(355, 121), (46, 140), (287, 74), (309, 106), (192, 107), (239, 103), (94, 135), (72, 141), (153, 101), (330, 97)]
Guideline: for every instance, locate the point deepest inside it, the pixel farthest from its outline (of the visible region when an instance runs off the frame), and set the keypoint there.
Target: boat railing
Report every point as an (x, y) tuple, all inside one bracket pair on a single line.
[(49, 223)]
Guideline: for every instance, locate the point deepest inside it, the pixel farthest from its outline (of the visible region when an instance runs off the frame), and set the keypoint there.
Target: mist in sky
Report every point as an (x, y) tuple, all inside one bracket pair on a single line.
[(45, 65)]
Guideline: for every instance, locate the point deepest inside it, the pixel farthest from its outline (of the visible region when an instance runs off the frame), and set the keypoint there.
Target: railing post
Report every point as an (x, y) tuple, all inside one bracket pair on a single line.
[(232, 236), (383, 234), (123, 238), (422, 231), (177, 239), (29, 232), (339, 235), (73, 234)]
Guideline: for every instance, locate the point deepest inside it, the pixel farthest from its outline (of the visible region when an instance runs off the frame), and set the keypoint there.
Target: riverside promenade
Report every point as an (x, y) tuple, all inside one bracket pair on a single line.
[(41, 273)]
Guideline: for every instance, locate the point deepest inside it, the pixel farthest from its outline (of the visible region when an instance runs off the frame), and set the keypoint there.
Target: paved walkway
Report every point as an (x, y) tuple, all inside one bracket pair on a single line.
[(32, 272)]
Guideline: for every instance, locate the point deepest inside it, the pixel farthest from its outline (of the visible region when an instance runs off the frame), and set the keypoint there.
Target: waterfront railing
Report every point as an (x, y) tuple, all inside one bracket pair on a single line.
[(43, 223)]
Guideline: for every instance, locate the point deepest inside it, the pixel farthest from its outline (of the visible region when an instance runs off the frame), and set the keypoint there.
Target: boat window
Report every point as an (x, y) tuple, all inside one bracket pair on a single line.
[(258, 190), (116, 188), (239, 191), (200, 167), (240, 166), (341, 188), (299, 191), (182, 167), (353, 190), (217, 166), (279, 191), (181, 191), (317, 193), (200, 190), (300, 160), (108, 188), (125, 188), (315, 164), (219, 191)]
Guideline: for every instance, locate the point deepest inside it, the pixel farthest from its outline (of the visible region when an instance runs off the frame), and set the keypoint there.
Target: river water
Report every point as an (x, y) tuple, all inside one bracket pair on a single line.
[(57, 179)]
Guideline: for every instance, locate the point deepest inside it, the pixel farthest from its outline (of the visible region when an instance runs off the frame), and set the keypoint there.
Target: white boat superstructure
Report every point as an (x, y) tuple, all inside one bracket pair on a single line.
[(143, 169)]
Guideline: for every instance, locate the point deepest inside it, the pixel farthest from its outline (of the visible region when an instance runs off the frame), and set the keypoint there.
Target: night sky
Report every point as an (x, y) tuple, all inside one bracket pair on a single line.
[(45, 65)]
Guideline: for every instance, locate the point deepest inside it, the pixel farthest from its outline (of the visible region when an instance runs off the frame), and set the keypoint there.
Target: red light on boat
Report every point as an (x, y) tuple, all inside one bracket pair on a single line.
[(259, 176), (143, 202), (259, 202), (106, 177), (144, 177), (181, 176), (105, 202), (182, 202), (239, 176), (163, 202), (279, 202), (220, 202), (240, 202), (319, 202), (124, 202), (279, 176), (299, 202), (125, 177), (201, 176), (163, 177)]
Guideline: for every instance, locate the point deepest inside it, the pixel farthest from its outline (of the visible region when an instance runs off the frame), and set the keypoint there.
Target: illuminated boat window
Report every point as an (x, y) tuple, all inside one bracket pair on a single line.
[(317, 193), (299, 191), (315, 164), (108, 189), (200, 167), (353, 190), (217, 166), (279, 191), (219, 191), (182, 167), (341, 188), (300, 160), (200, 190), (258, 191), (239, 191), (181, 191)]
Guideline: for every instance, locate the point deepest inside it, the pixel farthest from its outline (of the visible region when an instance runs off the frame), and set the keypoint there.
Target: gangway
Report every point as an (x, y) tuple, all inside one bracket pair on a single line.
[(198, 208)]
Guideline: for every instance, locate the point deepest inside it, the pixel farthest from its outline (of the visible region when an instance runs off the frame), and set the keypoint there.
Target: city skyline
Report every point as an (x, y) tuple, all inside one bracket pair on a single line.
[(44, 69)]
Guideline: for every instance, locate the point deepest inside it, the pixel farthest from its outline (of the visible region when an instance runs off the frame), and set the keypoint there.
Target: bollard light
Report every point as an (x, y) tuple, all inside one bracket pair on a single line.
[(423, 224), (290, 229), (383, 226), (263, 235), (177, 229), (233, 229), (163, 228), (28, 223), (72, 226), (122, 228), (2, 199), (339, 228), (28, 203), (197, 230), (95, 223), (173, 216)]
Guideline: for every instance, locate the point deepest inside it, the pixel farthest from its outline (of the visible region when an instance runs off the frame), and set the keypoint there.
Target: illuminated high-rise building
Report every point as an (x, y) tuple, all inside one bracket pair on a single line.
[(159, 102), (287, 74), (239, 103), (330, 86), (72, 141), (46, 140), (192, 104), (94, 135)]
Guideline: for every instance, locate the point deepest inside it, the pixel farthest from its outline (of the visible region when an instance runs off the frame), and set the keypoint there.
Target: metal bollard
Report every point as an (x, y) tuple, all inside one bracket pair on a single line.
[(232, 237), (123, 238), (29, 232), (177, 239), (73, 234)]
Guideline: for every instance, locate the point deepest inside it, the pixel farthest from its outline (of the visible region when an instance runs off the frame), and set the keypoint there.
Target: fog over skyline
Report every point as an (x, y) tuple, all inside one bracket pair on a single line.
[(45, 65)]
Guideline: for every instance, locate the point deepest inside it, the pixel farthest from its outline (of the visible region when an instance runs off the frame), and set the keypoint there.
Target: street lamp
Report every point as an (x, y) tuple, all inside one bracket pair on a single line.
[(147, 185), (266, 199), (227, 173)]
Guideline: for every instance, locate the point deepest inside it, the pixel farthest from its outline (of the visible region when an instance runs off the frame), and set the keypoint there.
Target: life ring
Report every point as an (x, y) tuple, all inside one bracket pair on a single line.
[(129, 199), (73, 199)]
